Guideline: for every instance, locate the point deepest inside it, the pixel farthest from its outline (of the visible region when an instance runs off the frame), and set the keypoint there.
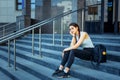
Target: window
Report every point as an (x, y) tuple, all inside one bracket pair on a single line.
[(32, 4), (20, 4)]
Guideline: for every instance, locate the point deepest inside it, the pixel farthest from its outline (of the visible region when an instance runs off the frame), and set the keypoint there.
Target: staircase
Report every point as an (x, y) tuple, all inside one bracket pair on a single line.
[(33, 67)]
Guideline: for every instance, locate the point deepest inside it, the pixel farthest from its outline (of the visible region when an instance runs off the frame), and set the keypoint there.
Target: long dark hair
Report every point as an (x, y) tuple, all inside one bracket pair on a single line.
[(76, 26)]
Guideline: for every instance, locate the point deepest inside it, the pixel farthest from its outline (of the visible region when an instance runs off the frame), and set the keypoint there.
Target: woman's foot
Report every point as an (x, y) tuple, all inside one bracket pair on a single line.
[(57, 72), (64, 75)]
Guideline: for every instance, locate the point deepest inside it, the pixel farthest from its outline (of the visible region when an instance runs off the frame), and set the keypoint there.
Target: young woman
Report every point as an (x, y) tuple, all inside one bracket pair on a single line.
[(79, 39)]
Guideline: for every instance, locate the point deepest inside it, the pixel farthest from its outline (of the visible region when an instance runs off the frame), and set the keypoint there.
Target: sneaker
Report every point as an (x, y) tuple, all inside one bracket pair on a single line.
[(64, 75), (57, 72)]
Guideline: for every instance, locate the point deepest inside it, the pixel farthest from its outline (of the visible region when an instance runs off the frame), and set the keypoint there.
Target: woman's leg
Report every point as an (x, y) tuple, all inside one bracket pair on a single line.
[(84, 54), (76, 53), (69, 62), (72, 54), (71, 58), (64, 60)]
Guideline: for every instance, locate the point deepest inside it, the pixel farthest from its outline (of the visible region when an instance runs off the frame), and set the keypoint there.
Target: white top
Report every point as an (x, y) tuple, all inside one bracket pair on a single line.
[(87, 43)]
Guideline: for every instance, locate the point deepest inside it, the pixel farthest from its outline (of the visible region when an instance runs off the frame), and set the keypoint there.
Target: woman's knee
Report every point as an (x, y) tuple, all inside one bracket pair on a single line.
[(66, 54), (72, 51), (66, 51)]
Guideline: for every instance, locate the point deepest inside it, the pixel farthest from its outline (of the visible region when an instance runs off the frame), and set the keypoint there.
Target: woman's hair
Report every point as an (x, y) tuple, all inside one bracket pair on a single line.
[(75, 25)]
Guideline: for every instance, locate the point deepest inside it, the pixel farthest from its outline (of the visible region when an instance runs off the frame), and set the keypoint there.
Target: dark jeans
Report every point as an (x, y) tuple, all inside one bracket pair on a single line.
[(69, 56)]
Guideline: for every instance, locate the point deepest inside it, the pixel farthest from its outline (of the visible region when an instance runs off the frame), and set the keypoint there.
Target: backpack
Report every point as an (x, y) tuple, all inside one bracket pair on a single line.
[(100, 55)]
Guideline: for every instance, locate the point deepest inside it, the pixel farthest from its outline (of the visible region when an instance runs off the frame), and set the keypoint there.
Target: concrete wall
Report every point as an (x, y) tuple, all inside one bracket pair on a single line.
[(8, 12)]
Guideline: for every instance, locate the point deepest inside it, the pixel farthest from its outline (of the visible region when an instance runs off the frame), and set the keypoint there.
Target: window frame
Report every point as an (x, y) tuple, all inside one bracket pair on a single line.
[(20, 4)]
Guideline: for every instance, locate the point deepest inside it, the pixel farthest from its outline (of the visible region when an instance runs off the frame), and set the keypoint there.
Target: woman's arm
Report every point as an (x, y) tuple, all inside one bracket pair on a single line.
[(73, 42), (83, 36)]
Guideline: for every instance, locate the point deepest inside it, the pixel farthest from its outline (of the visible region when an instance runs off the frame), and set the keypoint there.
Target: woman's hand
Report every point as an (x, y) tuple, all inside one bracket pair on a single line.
[(66, 49), (73, 34)]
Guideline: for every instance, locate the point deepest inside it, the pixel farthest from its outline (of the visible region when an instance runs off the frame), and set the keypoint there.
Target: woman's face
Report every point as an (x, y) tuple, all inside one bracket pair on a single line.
[(73, 30)]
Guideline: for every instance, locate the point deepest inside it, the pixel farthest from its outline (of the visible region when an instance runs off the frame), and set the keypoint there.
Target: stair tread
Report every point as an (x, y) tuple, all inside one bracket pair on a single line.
[(109, 63), (113, 66), (111, 44), (82, 70), (68, 40), (106, 36), (45, 71), (19, 73), (36, 67), (4, 77), (108, 51), (114, 53)]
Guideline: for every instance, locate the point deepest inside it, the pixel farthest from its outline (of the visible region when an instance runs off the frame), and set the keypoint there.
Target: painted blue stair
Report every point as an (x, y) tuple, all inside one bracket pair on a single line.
[(33, 67)]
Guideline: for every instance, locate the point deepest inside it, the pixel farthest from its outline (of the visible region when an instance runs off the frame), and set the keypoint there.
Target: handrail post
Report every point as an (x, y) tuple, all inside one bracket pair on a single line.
[(19, 24), (83, 19), (61, 32), (15, 54), (40, 53), (3, 30), (33, 41), (54, 32), (8, 53)]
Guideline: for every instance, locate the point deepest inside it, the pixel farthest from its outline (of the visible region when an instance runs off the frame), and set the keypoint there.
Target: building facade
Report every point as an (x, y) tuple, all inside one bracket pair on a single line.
[(95, 16)]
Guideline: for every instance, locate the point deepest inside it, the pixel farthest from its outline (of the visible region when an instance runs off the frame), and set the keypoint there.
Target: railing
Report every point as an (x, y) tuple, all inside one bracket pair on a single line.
[(21, 32), (9, 28)]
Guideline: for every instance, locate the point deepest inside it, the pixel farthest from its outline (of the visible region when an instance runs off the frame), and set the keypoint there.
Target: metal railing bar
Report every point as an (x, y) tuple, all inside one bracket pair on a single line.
[(19, 33), (22, 31), (8, 31), (3, 31), (10, 28), (19, 24), (33, 41), (15, 54), (61, 33), (8, 53), (9, 24), (40, 53), (5, 25), (53, 32)]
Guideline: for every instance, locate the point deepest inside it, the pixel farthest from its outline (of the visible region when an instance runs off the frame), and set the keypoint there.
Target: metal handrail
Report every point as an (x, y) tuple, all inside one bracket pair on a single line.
[(7, 28), (6, 25), (37, 25), (20, 32)]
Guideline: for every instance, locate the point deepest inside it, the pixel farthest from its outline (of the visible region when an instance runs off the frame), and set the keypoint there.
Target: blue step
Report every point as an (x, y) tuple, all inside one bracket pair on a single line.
[(110, 66), (77, 71), (112, 55), (35, 67), (38, 71), (110, 44)]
